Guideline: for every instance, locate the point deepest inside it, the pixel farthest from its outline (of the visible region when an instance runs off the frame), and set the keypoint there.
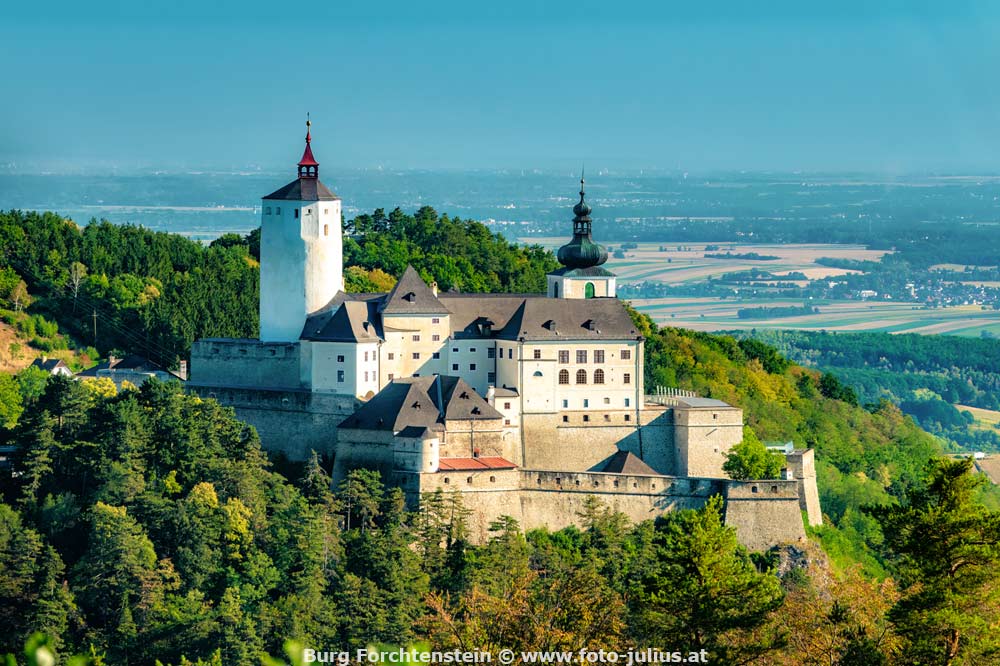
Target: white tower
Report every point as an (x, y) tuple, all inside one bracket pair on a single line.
[(301, 251)]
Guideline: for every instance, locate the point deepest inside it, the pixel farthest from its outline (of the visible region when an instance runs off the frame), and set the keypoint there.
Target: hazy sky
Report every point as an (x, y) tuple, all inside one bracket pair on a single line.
[(696, 85)]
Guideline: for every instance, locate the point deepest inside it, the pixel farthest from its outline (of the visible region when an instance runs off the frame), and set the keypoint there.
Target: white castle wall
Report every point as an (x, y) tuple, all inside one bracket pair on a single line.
[(301, 264)]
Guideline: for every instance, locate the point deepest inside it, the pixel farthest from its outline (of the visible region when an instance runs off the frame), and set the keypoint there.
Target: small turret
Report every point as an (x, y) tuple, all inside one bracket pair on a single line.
[(582, 251)]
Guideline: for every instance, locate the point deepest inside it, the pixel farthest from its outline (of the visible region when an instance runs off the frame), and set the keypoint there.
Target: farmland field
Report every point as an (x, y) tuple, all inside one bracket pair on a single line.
[(686, 264), (715, 314)]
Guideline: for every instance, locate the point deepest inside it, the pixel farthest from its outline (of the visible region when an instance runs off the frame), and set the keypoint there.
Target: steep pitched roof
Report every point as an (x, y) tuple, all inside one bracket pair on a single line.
[(411, 295), (421, 402), (303, 189), (626, 462), (543, 318), (48, 364), (350, 321)]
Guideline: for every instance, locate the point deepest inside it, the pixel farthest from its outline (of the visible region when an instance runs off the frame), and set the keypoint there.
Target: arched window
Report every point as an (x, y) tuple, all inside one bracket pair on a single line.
[(598, 376), (581, 376), (589, 290), (564, 376)]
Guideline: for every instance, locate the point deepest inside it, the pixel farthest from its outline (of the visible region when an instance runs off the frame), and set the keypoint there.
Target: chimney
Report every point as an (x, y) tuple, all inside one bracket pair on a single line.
[(183, 371), (491, 395), (434, 289)]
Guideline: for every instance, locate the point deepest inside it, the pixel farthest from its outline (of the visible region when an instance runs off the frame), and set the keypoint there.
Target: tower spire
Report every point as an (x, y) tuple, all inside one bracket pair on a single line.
[(308, 166)]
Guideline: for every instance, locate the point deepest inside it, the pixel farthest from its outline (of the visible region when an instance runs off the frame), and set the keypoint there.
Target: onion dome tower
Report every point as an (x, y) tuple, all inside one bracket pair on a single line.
[(301, 251), (581, 275)]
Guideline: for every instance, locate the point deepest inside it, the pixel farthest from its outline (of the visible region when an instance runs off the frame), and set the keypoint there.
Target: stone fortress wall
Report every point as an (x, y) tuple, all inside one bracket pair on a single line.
[(763, 513)]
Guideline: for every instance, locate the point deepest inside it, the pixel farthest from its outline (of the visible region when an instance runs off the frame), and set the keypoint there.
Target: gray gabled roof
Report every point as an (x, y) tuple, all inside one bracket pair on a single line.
[(626, 462), (411, 295), (420, 402), (303, 189), (49, 364), (573, 319), (348, 321)]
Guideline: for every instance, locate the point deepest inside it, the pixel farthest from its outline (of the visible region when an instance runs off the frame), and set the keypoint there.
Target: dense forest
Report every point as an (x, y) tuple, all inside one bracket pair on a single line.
[(926, 375), (147, 525)]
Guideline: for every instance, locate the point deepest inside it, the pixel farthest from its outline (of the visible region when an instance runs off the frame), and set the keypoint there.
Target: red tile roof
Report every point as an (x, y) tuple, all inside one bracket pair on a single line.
[(473, 464)]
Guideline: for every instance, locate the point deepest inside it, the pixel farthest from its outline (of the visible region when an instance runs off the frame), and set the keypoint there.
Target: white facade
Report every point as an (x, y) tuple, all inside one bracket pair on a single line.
[(598, 286), (301, 264), (348, 368)]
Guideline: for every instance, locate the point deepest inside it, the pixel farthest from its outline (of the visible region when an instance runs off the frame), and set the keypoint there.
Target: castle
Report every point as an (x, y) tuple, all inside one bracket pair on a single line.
[(525, 403)]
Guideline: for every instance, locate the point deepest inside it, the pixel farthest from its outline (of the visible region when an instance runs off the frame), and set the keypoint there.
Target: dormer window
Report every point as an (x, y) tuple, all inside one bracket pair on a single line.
[(590, 325), (550, 324), (410, 297)]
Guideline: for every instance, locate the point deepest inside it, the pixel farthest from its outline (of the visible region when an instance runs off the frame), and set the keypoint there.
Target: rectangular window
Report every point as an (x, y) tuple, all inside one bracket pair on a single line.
[(416, 356), (628, 417), (491, 377), (392, 356), (340, 376), (506, 405), (436, 355), (277, 211), (472, 366), (309, 211), (366, 356), (581, 355), (598, 356), (491, 353), (416, 338), (565, 419), (627, 378), (391, 376), (267, 211), (607, 417), (626, 354), (537, 354), (607, 401), (586, 417), (296, 213), (510, 353), (564, 356), (565, 404), (454, 350), (340, 358), (366, 375), (454, 367), (506, 422), (472, 350), (435, 320), (435, 338), (627, 402)]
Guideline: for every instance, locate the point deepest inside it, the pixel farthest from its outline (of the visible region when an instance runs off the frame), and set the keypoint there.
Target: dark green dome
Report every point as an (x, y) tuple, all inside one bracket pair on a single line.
[(582, 251)]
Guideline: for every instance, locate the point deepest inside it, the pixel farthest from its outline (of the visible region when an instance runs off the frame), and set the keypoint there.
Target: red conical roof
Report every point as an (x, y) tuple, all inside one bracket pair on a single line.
[(307, 154)]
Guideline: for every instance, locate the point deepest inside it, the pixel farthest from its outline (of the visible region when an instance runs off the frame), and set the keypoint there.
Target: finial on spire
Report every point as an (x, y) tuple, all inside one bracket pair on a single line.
[(308, 166)]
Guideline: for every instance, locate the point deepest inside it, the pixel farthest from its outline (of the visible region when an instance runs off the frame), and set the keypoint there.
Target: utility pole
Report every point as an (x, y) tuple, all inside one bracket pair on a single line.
[(95, 327)]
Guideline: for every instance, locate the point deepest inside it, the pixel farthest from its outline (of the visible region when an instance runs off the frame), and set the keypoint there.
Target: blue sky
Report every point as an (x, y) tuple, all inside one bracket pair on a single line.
[(692, 86)]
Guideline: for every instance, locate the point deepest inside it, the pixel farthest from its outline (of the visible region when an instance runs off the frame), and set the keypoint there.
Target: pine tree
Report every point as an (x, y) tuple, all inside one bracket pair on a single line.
[(945, 547), (701, 589)]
